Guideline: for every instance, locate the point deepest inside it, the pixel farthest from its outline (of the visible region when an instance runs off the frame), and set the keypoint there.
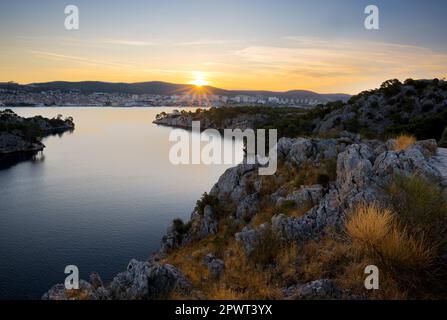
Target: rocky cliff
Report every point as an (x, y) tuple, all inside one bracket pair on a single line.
[(318, 186), (334, 207)]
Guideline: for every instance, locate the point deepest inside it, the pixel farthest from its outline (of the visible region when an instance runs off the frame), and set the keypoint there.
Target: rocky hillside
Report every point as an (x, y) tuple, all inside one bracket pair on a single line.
[(417, 107), (334, 207), (19, 135)]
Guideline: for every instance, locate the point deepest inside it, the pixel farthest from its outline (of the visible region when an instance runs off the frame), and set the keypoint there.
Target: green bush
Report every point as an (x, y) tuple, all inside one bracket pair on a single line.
[(352, 125), (180, 227), (420, 204), (206, 200)]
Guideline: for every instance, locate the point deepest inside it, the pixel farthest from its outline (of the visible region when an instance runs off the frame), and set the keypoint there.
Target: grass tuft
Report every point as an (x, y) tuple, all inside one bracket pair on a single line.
[(403, 142)]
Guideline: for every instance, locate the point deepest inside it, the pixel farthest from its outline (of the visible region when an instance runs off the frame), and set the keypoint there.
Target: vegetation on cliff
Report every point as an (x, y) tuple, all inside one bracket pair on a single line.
[(20, 135), (414, 107), (338, 203)]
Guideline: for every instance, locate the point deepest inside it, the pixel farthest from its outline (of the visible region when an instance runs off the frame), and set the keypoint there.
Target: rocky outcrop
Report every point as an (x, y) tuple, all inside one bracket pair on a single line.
[(304, 196), (145, 280), (22, 135), (12, 142), (361, 173), (395, 107), (185, 119), (141, 281), (215, 266), (322, 289), (362, 168)]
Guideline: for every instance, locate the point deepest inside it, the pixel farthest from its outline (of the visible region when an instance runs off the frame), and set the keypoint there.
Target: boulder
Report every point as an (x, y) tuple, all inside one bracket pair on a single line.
[(304, 196), (248, 207), (144, 280), (215, 266), (322, 289)]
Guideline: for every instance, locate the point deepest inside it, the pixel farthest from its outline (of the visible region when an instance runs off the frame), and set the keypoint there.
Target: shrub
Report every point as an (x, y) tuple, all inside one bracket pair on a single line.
[(390, 87), (403, 142), (265, 248), (375, 104), (323, 174), (180, 227), (408, 105), (420, 204), (375, 233), (352, 125), (206, 200)]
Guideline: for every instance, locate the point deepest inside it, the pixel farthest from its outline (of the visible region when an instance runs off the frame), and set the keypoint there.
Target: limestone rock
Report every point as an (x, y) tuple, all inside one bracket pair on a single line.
[(322, 289), (144, 280), (304, 196)]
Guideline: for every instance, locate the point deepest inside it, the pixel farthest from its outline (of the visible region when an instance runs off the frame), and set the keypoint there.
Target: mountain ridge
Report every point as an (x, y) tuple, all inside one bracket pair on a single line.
[(165, 88)]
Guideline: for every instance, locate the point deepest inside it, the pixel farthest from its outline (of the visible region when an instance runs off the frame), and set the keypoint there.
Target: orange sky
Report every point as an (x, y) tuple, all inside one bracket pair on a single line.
[(298, 63)]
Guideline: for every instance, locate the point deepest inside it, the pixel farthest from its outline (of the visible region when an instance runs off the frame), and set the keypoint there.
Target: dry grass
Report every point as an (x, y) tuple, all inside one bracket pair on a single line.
[(375, 233), (375, 236), (241, 278), (421, 205), (369, 225), (287, 263), (79, 294), (249, 280), (310, 174), (264, 215), (403, 142), (324, 259), (221, 292)]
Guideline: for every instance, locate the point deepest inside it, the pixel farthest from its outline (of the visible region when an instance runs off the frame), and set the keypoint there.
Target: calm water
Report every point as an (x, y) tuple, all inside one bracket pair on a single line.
[(95, 198)]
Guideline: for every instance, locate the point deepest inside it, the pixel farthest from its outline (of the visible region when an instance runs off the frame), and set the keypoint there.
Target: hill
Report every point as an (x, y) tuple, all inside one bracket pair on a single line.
[(163, 88), (417, 107)]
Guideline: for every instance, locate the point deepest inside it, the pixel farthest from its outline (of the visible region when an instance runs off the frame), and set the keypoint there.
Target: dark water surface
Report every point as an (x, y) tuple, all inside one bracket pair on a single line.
[(95, 198)]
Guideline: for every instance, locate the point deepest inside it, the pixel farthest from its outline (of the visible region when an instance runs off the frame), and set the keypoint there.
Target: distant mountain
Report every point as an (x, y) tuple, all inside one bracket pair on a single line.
[(165, 88)]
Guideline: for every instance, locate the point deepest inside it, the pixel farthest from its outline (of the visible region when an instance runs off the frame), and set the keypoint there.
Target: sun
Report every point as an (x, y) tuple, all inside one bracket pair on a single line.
[(199, 79), (199, 82)]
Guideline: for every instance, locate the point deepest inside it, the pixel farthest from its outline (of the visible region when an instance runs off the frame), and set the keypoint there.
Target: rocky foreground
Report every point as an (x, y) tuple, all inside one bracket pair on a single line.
[(22, 135), (243, 213)]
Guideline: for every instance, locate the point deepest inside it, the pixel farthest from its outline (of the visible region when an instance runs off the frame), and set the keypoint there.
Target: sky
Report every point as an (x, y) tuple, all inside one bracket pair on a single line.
[(319, 45)]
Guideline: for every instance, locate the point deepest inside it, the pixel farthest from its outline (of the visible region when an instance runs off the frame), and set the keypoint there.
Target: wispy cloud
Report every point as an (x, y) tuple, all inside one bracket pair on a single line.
[(77, 59), (340, 62), (133, 43), (204, 42)]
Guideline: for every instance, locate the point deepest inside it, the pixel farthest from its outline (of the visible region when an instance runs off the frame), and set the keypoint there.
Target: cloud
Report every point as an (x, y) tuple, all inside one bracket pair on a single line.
[(132, 43), (77, 59), (205, 42), (333, 61)]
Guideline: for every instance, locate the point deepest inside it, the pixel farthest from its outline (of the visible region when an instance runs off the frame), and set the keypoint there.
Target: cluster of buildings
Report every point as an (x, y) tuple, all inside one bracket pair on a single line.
[(76, 98)]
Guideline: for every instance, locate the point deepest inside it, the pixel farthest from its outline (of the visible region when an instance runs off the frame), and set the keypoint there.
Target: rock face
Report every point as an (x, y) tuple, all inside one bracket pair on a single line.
[(141, 281), (215, 266), (15, 142), (362, 167), (304, 196), (144, 280)]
